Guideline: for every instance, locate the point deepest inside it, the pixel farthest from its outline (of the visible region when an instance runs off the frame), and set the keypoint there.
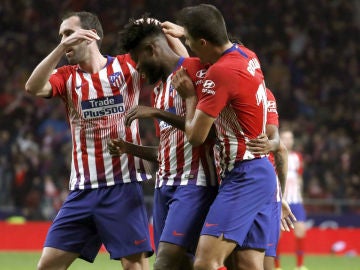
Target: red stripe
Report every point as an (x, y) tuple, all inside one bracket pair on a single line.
[(180, 159), (84, 154), (74, 101), (99, 158)]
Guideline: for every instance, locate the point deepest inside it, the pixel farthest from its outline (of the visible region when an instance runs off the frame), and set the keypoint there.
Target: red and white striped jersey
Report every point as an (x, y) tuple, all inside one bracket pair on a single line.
[(234, 93), (293, 188), (179, 162), (96, 105)]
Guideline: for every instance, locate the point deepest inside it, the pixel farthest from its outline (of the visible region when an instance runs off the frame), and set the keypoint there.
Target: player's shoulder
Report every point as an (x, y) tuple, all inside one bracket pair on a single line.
[(194, 67), (65, 70), (249, 53), (192, 63), (270, 95), (125, 58)]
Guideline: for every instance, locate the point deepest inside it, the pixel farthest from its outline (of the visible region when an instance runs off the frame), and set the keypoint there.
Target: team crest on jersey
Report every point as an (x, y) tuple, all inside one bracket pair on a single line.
[(117, 79), (104, 106)]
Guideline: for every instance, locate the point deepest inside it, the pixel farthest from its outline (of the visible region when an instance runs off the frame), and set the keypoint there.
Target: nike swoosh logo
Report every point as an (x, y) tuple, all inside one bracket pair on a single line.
[(210, 224), (175, 233), (271, 244), (79, 86), (138, 242)]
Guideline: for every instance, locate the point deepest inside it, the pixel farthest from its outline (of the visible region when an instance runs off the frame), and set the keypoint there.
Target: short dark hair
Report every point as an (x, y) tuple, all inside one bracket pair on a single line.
[(204, 21), (137, 30), (88, 21)]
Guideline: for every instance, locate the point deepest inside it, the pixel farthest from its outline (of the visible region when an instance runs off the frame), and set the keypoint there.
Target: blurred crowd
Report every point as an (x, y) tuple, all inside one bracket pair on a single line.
[(310, 56)]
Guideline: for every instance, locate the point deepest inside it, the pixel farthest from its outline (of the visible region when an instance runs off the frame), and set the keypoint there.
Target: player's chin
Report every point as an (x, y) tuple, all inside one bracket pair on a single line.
[(72, 60)]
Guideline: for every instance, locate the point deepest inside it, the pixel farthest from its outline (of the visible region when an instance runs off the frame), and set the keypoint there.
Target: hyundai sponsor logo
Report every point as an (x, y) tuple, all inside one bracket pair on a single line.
[(201, 73)]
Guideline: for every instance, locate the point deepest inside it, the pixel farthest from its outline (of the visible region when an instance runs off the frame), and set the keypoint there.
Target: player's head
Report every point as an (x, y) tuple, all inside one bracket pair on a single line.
[(144, 39), (287, 138), (73, 21), (204, 25)]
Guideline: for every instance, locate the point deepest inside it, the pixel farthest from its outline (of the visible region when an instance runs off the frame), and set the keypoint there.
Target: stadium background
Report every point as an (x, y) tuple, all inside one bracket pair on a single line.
[(310, 55)]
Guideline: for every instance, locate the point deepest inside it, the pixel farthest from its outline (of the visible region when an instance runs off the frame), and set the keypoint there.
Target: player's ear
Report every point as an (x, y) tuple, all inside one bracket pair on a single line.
[(203, 42), (149, 49)]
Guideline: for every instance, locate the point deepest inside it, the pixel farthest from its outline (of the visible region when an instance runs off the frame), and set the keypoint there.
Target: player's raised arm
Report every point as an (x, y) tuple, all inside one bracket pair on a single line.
[(38, 83)]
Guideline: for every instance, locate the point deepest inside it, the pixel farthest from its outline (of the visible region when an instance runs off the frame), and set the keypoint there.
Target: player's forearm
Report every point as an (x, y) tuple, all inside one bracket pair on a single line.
[(144, 152), (272, 132), (177, 46), (281, 163), (38, 82), (189, 118)]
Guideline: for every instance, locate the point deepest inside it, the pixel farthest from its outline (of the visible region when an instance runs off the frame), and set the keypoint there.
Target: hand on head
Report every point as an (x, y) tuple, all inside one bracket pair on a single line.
[(172, 29), (79, 36)]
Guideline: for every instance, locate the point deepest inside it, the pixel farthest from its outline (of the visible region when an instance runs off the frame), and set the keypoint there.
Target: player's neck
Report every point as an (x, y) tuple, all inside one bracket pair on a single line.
[(94, 63), (219, 50), (170, 66)]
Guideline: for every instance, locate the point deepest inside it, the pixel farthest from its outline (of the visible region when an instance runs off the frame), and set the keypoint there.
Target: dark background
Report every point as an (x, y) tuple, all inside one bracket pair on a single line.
[(309, 51)]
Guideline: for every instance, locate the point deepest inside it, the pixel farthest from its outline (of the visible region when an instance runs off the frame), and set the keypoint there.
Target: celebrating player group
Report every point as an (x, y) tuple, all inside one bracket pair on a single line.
[(221, 165)]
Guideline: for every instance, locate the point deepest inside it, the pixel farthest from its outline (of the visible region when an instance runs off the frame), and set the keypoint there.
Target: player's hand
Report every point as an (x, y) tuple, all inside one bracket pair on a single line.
[(183, 83), (172, 29), (287, 217), (139, 112), (78, 37), (117, 147), (259, 146)]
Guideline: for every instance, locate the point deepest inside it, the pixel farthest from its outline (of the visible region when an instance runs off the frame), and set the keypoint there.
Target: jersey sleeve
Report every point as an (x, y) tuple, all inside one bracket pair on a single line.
[(58, 81), (272, 113), (215, 91)]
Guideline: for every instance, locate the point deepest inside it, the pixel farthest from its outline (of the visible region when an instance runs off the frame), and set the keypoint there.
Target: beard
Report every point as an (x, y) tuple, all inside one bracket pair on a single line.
[(76, 55)]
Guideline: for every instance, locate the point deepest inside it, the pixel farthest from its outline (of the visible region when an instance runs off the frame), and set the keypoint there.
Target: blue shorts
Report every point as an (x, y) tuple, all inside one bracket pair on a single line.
[(179, 214), (115, 216), (298, 211), (244, 205), (274, 231)]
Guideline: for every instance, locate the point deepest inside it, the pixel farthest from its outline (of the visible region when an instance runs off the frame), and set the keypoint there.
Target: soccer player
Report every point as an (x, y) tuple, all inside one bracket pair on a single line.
[(186, 179), (293, 195), (234, 98), (105, 204)]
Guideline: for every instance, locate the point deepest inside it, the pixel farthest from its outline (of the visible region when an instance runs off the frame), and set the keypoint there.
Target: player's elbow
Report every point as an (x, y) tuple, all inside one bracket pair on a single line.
[(30, 89), (36, 91)]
